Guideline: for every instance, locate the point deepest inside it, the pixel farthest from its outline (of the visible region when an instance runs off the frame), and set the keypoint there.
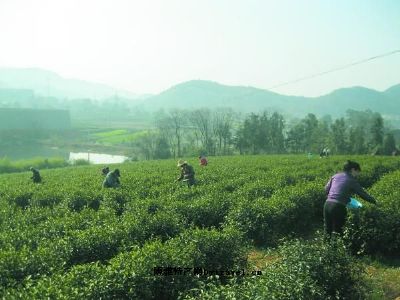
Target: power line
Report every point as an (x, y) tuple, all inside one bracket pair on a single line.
[(335, 69)]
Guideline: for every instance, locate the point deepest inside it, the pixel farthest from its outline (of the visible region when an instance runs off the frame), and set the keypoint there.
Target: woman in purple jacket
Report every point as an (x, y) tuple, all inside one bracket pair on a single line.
[(339, 189)]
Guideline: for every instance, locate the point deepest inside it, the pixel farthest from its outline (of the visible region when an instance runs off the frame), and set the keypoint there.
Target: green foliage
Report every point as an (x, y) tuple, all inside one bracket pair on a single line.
[(78, 200), (267, 220), (80, 162), (120, 136), (376, 229), (389, 144), (8, 166), (69, 238), (130, 275), (304, 270), (261, 134)]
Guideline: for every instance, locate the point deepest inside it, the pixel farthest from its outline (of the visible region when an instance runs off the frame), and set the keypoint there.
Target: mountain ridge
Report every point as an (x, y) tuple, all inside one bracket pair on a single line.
[(197, 93), (47, 83), (202, 93)]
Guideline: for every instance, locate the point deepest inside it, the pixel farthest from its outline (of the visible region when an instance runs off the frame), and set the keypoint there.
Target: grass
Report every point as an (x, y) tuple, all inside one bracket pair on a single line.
[(115, 125), (118, 136), (105, 134), (384, 274), (259, 258), (8, 166)]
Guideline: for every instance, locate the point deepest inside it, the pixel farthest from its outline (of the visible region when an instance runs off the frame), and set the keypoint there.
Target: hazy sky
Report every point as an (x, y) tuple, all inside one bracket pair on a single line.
[(149, 45)]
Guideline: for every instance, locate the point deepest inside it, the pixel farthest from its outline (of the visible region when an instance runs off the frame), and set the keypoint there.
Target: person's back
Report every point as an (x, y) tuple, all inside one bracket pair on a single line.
[(341, 186), (188, 172), (36, 178), (112, 180), (188, 175)]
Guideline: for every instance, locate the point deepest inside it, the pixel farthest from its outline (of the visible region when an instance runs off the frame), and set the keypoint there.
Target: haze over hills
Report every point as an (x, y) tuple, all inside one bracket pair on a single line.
[(198, 93), (49, 84), (393, 91), (30, 83)]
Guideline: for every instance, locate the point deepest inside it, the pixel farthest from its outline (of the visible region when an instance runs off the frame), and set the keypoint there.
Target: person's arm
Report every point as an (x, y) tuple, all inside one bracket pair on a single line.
[(180, 177), (328, 186), (362, 193)]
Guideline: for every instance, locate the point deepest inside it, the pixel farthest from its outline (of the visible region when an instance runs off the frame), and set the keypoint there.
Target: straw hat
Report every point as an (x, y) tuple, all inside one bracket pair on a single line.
[(181, 162)]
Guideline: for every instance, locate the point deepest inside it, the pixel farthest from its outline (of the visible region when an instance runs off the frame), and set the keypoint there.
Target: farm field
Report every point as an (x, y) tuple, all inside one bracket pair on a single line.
[(257, 216), (119, 136)]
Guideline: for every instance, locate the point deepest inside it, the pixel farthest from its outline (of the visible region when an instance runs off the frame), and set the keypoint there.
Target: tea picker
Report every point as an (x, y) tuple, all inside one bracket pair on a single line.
[(112, 179), (187, 173), (36, 178), (339, 190)]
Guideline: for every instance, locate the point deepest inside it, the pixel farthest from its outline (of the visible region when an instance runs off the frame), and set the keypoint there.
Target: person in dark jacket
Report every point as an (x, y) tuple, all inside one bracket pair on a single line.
[(187, 173), (112, 179), (36, 178), (105, 171), (339, 189)]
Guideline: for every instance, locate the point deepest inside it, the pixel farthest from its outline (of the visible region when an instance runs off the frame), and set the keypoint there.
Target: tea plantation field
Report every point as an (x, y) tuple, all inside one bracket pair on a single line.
[(152, 238)]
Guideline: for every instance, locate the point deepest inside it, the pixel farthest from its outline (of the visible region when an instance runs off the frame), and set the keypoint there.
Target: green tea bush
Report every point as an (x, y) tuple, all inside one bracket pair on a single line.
[(57, 234), (291, 210), (376, 229), (206, 211), (131, 275), (116, 200), (20, 198), (78, 200), (46, 198), (304, 270), (95, 244), (142, 226)]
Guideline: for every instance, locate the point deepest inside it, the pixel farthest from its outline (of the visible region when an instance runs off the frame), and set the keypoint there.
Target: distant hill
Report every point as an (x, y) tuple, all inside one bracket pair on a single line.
[(198, 93), (26, 85), (358, 98), (393, 91), (49, 84)]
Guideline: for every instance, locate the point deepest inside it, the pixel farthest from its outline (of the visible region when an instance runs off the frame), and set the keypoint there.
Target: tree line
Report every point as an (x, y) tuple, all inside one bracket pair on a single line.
[(179, 133)]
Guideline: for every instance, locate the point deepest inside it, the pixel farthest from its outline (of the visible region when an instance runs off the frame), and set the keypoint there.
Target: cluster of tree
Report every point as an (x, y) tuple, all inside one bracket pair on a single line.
[(180, 133), (186, 133), (356, 133)]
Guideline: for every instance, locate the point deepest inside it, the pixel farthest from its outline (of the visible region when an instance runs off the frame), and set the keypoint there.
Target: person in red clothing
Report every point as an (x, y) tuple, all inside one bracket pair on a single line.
[(203, 160)]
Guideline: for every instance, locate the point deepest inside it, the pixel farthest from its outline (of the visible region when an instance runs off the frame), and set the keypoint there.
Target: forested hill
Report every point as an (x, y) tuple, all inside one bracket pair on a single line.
[(198, 93)]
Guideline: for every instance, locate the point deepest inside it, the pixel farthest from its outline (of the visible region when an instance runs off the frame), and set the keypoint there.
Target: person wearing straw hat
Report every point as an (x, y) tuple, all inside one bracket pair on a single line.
[(187, 173), (338, 190)]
